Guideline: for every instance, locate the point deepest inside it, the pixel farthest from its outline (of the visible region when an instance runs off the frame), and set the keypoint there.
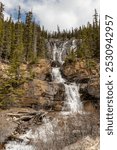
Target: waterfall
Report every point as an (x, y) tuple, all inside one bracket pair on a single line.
[(57, 54), (73, 98), (73, 103), (56, 75)]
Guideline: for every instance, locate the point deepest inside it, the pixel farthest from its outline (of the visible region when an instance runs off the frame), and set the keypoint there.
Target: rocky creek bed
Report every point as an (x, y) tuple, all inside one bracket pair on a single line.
[(36, 126)]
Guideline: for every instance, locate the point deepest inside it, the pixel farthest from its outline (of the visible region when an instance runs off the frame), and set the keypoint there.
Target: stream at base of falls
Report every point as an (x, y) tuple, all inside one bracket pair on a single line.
[(45, 133)]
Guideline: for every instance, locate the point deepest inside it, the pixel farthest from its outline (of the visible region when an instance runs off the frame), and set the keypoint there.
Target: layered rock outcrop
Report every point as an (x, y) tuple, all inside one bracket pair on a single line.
[(86, 73), (37, 91)]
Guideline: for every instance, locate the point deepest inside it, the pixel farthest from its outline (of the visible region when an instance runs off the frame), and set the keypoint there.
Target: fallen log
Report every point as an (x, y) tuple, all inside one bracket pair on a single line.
[(25, 118), (14, 115)]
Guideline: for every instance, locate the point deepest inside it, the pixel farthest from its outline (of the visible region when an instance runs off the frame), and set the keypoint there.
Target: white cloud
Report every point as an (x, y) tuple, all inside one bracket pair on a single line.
[(50, 13)]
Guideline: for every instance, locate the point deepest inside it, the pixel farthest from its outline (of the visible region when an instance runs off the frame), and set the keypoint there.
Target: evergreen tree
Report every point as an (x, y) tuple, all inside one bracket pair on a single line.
[(1, 29), (1, 11), (7, 40), (34, 40), (96, 35), (17, 52), (41, 49), (1, 37), (28, 37)]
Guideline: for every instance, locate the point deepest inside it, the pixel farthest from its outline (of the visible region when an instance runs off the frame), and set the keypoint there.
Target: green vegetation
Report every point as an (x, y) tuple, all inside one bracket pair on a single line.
[(88, 39), (71, 58), (25, 42), (21, 41)]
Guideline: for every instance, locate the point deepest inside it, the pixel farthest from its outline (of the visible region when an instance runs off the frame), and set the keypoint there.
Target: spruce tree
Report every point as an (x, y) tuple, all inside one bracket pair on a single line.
[(96, 35), (1, 29), (17, 52), (1, 11), (28, 37), (7, 40), (34, 41)]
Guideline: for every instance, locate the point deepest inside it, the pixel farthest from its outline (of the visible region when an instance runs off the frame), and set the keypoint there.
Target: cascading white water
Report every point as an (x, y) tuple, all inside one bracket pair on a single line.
[(18, 146), (56, 75), (73, 98), (57, 54), (73, 103)]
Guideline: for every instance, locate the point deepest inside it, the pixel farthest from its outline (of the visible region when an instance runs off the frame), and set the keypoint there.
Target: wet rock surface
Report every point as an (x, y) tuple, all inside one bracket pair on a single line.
[(65, 46), (88, 77)]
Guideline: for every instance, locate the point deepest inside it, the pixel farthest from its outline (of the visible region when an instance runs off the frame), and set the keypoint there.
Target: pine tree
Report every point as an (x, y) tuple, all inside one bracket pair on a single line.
[(1, 11), (28, 37), (34, 41), (7, 40), (96, 35), (17, 52), (58, 32), (1, 29), (41, 50), (1, 37)]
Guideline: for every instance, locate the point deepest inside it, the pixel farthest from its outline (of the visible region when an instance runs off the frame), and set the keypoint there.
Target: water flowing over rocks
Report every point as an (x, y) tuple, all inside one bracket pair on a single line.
[(88, 78), (58, 49)]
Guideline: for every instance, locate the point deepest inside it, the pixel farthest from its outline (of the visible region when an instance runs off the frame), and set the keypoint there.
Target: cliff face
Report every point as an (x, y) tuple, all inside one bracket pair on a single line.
[(87, 75), (38, 92)]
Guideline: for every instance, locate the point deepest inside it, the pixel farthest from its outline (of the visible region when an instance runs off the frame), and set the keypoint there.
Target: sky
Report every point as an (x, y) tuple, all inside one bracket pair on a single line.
[(50, 13)]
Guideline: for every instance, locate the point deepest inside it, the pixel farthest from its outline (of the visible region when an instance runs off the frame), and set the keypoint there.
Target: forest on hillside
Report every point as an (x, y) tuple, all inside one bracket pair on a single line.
[(24, 41)]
